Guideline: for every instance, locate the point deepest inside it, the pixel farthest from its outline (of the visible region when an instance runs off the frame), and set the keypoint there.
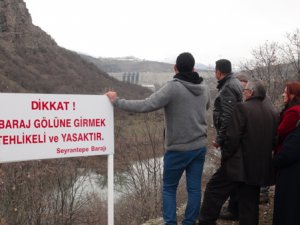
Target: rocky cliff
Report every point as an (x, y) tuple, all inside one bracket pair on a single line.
[(31, 61)]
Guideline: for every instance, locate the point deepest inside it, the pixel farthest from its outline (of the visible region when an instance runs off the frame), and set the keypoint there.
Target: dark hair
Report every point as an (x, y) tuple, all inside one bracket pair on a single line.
[(224, 66), (185, 62)]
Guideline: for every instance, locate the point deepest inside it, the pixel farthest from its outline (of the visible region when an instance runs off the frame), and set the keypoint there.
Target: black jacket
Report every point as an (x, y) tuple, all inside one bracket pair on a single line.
[(230, 93)]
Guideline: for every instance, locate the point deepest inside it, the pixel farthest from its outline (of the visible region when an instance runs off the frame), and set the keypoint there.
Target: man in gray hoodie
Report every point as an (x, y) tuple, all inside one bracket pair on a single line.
[(185, 100)]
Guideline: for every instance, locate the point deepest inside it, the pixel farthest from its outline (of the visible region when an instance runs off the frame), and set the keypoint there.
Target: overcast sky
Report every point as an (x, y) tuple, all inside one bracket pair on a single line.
[(161, 29)]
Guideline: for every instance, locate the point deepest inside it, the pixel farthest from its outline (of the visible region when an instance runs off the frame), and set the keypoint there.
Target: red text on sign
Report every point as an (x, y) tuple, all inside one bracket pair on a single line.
[(74, 137), (23, 139), (14, 124), (89, 122), (49, 105)]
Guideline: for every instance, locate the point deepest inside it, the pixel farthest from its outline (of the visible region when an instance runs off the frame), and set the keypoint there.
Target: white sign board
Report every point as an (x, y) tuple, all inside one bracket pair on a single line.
[(44, 126)]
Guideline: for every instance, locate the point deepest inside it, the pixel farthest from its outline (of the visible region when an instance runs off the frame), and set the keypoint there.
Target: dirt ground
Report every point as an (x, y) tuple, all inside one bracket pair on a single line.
[(265, 212)]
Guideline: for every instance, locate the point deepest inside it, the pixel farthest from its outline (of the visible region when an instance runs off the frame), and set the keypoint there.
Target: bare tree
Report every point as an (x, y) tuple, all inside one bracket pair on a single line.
[(268, 65), (48, 192), (141, 181), (276, 63), (291, 51)]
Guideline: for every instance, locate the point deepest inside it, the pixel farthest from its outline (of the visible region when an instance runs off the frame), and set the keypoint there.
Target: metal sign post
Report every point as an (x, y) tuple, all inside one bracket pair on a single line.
[(110, 189)]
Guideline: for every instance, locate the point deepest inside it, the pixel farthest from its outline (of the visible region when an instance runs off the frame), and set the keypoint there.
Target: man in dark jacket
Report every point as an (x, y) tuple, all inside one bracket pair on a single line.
[(246, 162), (231, 211), (230, 92)]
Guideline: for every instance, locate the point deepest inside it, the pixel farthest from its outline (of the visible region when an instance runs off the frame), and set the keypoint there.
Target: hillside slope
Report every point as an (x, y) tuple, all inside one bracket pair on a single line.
[(31, 61)]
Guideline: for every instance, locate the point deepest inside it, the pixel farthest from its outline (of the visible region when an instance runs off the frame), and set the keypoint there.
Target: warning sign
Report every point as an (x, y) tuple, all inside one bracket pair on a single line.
[(43, 126)]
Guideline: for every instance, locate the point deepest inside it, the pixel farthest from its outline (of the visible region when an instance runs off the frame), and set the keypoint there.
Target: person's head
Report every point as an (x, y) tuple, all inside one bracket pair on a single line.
[(185, 62), (255, 88), (223, 68), (291, 94), (243, 78)]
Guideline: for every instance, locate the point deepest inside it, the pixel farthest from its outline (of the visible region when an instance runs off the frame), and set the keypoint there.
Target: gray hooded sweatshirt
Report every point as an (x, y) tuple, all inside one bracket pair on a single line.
[(185, 105)]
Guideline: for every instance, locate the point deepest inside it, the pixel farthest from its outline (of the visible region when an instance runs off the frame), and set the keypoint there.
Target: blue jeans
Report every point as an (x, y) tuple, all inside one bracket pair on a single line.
[(175, 163)]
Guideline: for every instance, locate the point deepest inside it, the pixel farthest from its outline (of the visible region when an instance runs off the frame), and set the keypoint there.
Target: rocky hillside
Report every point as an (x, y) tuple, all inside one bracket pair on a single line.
[(31, 61)]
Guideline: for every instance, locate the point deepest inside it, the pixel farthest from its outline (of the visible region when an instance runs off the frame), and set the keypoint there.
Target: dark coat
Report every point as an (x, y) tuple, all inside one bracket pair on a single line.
[(287, 192), (230, 93), (247, 155)]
